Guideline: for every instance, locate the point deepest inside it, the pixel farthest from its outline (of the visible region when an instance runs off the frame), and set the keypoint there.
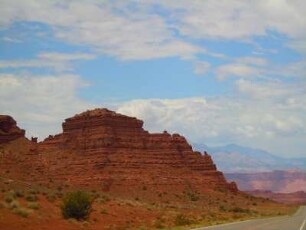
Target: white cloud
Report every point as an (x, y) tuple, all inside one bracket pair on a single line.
[(238, 19), (261, 69), (298, 45), (106, 27), (135, 30), (255, 61), (41, 103), (237, 70), (262, 91), (268, 116), (57, 61), (52, 56), (295, 70)]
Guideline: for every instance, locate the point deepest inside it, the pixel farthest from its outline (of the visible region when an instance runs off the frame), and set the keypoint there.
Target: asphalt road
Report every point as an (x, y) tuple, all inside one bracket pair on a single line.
[(295, 222)]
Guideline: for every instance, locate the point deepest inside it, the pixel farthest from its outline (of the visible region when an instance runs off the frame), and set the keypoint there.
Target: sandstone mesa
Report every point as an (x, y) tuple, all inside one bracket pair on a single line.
[(108, 151)]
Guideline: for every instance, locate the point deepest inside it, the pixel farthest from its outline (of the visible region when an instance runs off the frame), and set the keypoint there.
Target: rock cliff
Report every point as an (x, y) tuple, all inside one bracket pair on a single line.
[(109, 151), (9, 130), (101, 147), (15, 158)]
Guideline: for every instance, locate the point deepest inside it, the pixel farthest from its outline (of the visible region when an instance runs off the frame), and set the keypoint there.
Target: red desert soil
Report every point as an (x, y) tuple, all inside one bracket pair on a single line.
[(140, 180)]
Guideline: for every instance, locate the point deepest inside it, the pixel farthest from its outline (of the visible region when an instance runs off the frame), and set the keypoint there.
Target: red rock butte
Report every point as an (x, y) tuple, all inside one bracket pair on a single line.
[(109, 151), (9, 130)]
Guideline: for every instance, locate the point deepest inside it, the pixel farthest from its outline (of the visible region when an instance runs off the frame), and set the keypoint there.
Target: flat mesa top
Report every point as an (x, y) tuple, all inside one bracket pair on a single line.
[(99, 112)]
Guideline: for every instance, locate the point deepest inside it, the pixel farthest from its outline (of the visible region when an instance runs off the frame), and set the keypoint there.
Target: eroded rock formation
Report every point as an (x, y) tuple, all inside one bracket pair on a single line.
[(9, 130), (112, 152)]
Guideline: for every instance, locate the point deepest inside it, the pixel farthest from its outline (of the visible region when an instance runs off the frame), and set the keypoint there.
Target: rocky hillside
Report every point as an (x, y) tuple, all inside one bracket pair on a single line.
[(103, 149), (139, 180), (9, 130)]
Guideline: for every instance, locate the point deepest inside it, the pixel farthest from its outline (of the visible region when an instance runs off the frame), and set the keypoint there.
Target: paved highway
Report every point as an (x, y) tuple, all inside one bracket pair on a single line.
[(295, 222)]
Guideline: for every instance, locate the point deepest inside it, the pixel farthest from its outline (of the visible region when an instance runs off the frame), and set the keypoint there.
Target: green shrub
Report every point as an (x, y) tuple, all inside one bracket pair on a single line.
[(10, 196), (51, 197), (222, 208), (33, 191), (19, 193), (31, 198), (8, 199), (59, 195), (22, 212), (14, 204), (104, 211), (103, 199), (12, 193), (159, 223), (76, 205), (191, 196), (33, 205), (240, 210), (181, 220)]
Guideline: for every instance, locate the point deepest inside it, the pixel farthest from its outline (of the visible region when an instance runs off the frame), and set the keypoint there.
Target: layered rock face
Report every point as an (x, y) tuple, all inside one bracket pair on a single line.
[(15, 150), (9, 130), (109, 150)]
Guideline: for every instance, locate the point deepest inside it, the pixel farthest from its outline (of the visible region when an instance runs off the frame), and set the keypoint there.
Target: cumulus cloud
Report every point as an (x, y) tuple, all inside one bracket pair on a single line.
[(261, 113), (246, 119), (262, 91), (41, 103)]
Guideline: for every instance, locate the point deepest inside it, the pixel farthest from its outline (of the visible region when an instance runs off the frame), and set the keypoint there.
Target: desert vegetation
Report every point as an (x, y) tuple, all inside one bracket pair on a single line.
[(93, 207), (12, 202), (77, 205), (121, 192)]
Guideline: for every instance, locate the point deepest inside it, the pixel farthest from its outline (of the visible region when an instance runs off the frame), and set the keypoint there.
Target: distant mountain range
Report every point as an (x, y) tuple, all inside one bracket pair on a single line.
[(275, 181), (256, 169), (297, 198), (235, 158)]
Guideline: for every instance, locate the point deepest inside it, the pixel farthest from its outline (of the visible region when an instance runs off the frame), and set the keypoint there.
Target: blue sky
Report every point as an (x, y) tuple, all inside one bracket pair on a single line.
[(218, 72)]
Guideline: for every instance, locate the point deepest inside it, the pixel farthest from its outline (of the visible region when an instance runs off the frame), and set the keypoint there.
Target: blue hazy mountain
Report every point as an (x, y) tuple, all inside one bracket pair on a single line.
[(236, 158)]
